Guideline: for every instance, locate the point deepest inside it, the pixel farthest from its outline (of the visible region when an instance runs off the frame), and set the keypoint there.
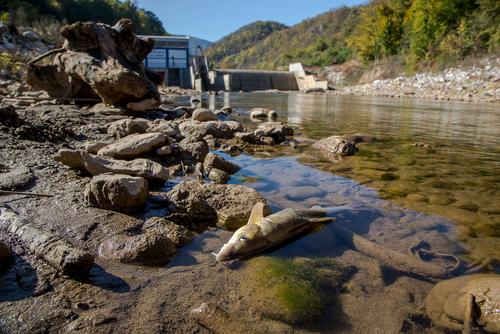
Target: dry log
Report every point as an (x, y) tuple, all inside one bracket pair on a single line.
[(44, 244), (399, 261), (98, 60)]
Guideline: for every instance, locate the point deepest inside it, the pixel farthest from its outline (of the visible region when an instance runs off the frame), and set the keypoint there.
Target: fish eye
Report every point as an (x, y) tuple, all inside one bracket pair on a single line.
[(243, 238)]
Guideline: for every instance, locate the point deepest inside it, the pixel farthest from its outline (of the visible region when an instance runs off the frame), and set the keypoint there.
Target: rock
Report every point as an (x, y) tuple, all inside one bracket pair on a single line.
[(17, 178), (265, 140), (180, 235), (218, 176), (164, 150), (203, 115), (447, 301), (117, 192), (32, 36), (272, 115), (133, 146), (193, 152), (315, 90), (9, 116), (94, 147), (104, 109), (79, 159), (277, 130), (246, 137), (218, 129), (228, 206), (125, 127), (226, 110), (5, 253), (259, 113), (335, 146), (423, 145), (168, 128), (147, 248), (212, 160)]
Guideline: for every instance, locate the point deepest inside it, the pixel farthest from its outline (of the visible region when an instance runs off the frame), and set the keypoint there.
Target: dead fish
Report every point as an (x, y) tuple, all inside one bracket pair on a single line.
[(262, 232)]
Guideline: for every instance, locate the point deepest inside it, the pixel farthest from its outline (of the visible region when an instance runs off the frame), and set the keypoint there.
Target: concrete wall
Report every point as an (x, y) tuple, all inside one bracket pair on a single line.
[(248, 80)]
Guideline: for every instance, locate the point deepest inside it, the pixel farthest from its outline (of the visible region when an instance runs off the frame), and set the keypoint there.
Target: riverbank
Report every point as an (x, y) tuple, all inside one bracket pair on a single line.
[(475, 83)]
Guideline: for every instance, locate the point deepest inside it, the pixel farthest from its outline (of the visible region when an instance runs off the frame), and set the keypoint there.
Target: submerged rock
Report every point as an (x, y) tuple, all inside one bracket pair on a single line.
[(446, 304), (203, 115), (228, 206), (133, 146), (95, 165), (117, 192), (128, 126), (336, 146), (17, 178)]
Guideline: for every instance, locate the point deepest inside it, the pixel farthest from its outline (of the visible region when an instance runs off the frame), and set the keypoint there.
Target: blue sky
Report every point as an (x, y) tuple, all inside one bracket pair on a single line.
[(213, 19)]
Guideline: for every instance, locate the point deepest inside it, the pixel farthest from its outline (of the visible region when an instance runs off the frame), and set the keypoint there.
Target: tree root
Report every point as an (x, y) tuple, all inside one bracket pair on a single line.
[(42, 243)]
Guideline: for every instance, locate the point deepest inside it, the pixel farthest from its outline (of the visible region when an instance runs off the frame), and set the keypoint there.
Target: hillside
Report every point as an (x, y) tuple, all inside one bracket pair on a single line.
[(242, 39), (415, 32), (47, 16)]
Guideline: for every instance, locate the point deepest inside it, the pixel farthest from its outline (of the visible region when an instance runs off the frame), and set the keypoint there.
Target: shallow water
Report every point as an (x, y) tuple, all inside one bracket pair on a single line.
[(458, 180)]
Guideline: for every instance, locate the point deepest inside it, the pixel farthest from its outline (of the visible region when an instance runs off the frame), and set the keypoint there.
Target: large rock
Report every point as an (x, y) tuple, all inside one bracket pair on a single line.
[(128, 126), (447, 301), (259, 113), (203, 115), (218, 129), (147, 248), (79, 159), (179, 234), (117, 192), (227, 206), (133, 146), (212, 160), (336, 146), (276, 130), (17, 178)]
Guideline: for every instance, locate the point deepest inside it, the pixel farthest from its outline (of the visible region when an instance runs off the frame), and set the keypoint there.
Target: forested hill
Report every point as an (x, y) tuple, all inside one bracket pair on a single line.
[(413, 31), (242, 39), (47, 16)]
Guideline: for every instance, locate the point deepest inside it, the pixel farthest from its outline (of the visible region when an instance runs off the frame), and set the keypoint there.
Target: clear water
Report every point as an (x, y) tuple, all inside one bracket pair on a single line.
[(458, 180)]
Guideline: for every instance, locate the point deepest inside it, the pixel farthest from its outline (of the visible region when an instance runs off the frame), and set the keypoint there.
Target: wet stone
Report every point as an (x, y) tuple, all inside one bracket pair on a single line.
[(133, 146), (212, 160), (179, 234), (218, 176)]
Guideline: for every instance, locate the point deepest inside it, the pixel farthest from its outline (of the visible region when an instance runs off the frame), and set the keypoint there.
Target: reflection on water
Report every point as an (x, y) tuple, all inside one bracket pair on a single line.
[(458, 179)]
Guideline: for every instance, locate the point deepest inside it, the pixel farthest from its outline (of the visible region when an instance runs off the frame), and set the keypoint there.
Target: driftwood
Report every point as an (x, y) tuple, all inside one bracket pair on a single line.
[(98, 60), (399, 261), (44, 244)]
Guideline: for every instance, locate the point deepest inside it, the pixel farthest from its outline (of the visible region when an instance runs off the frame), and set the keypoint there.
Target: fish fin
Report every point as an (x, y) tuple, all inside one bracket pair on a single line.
[(257, 213), (322, 220)]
